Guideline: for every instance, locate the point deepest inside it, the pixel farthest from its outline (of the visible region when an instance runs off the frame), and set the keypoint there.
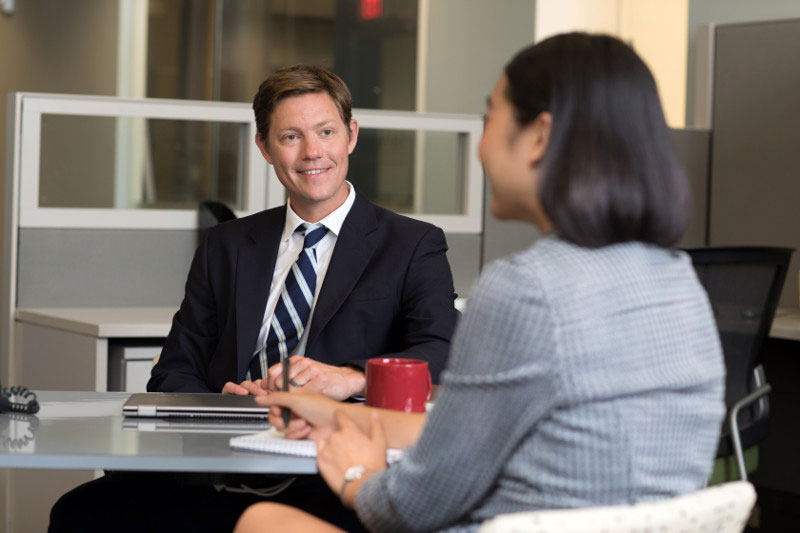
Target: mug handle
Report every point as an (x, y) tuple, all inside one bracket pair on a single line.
[(430, 387)]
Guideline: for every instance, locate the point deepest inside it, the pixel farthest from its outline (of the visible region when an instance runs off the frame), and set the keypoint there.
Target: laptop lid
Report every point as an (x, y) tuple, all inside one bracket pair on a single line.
[(193, 405)]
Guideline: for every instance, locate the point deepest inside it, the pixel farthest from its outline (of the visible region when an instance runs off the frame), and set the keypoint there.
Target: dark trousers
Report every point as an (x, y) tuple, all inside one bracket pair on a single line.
[(170, 502)]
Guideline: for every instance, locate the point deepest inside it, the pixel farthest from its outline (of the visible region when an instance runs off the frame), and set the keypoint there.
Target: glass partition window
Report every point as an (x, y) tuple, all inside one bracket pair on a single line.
[(386, 163), (424, 165), (104, 162), (140, 163)]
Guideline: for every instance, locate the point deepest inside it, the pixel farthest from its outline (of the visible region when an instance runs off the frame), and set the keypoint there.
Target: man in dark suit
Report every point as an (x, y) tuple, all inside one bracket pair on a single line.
[(379, 284), (383, 282)]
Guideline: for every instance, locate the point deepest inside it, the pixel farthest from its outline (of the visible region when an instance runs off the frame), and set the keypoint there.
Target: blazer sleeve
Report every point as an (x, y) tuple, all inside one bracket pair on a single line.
[(428, 304), (483, 411), (193, 338)]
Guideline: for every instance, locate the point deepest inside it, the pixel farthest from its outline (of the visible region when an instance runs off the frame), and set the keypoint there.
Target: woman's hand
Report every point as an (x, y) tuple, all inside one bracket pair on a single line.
[(348, 446), (312, 413)]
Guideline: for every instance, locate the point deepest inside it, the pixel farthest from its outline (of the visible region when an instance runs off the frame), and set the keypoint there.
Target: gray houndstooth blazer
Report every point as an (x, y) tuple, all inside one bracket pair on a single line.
[(577, 378)]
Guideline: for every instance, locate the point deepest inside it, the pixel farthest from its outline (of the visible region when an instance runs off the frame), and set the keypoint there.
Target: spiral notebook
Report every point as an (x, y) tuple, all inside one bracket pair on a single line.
[(273, 441)]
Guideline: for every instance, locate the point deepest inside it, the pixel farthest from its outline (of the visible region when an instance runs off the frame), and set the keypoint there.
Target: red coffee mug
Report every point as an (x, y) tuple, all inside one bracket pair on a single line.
[(399, 384)]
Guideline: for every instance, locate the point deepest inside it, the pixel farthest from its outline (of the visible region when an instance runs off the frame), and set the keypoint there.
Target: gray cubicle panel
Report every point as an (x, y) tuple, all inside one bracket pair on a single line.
[(755, 165), (464, 255), (112, 268), (125, 267), (103, 267), (693, 146), (504, 237)]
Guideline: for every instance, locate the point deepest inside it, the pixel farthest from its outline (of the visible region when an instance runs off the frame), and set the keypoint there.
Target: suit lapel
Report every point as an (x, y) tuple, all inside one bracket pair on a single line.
[(354, 248), (254, 267)]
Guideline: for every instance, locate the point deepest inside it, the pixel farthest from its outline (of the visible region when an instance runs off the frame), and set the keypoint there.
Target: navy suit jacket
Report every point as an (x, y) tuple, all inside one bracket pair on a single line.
[(388, 291)]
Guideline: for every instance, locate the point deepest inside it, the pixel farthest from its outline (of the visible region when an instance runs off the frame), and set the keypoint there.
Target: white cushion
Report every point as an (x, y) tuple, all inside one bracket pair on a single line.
[(724, 508)]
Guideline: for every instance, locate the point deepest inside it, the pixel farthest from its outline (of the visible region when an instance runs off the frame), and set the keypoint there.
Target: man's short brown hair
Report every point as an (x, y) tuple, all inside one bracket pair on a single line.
[(295, 81)]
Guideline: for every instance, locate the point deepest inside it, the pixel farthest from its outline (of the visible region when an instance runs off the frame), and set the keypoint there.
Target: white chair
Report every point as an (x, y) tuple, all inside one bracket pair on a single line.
[(720, 508)]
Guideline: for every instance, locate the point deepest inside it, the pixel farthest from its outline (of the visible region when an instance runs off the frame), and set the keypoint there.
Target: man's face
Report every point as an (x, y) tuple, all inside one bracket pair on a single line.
[(308, 145)]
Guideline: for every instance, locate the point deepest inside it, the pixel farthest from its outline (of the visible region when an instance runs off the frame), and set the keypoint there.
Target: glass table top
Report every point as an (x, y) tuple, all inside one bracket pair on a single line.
[(86, 430)]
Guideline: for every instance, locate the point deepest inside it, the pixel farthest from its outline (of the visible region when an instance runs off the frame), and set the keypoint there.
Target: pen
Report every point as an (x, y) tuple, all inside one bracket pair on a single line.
[(285, 410)]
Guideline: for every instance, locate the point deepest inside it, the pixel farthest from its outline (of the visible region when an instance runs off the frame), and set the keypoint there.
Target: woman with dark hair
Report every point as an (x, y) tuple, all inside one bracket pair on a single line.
[(587, 369)]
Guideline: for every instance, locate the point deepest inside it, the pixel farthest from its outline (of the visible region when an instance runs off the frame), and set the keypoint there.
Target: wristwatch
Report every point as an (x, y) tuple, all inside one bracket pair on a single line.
[(351, 474)]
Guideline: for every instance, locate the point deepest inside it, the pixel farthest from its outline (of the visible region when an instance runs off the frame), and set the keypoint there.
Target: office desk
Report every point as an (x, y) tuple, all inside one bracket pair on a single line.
[(84, 430), (87, 348), (76, 433), (84, 348), (786, 324)]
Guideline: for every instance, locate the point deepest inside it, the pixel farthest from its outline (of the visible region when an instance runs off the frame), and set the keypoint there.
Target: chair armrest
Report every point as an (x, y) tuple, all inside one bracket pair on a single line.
[(734, 425)]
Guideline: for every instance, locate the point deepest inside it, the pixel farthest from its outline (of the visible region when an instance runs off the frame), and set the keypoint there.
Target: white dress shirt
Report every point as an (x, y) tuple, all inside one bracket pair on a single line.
[(289, 249)]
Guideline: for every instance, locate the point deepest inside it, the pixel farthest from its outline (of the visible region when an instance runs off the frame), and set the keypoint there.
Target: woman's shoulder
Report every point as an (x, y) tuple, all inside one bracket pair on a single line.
[(558, 258), (555, 269), (513, 282)]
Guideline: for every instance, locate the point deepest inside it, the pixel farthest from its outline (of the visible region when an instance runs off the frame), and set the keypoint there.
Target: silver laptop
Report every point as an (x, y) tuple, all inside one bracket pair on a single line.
[(193, 405), (235, 426)]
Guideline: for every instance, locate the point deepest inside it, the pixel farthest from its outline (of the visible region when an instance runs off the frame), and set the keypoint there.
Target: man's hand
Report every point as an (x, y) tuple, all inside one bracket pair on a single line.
[(337, 382), (256, 388)]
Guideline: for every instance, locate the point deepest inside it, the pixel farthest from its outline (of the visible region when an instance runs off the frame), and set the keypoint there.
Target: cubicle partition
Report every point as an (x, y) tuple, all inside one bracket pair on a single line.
[(754, 80), (101, 223), (95, 267), (754, 189)]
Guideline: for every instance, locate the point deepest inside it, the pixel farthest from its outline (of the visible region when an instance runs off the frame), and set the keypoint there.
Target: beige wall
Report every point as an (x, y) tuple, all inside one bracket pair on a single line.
[(657, 29), (52, 46), (466, 45), (55, 46)]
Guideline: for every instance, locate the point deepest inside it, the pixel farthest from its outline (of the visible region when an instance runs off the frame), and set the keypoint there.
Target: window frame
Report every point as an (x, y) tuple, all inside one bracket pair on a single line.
[(262, 189)]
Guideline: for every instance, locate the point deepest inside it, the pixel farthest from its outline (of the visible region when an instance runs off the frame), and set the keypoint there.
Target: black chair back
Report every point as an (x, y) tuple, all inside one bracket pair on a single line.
[(743, 285), (210, 213)]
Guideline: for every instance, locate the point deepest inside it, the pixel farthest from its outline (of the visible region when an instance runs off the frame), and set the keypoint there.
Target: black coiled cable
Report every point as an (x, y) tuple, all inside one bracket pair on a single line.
[(28, 406)]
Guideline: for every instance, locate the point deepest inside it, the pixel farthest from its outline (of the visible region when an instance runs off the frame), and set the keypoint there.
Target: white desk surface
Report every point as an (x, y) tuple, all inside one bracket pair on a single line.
[(108, 322), (155, 321), (786, 324), (85, 430)]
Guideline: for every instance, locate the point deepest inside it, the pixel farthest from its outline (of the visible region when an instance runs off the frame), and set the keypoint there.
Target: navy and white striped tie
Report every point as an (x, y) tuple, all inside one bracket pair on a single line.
[(293, 307)]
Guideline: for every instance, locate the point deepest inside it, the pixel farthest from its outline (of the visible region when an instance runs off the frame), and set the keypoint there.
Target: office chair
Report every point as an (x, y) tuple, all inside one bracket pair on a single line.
[(743, 285), (724, 507), (211, 212)]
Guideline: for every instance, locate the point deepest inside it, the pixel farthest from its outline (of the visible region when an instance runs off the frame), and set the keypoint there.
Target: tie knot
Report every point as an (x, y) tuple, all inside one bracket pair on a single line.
[(312, 237)]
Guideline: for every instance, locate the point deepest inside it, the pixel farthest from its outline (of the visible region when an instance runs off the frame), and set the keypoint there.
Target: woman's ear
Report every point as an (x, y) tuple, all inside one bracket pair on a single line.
[(538, 136)]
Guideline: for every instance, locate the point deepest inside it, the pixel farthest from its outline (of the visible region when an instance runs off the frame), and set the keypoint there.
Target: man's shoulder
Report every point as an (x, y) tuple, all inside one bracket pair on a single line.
[(392, 221), (248, 226), (274, 213)]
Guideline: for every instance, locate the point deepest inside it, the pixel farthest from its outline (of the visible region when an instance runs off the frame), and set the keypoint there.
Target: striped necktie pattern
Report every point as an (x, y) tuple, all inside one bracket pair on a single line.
[(293, 307)]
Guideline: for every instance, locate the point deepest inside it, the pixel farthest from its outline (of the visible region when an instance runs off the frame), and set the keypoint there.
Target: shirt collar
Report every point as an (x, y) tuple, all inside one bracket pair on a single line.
[(333, 221)]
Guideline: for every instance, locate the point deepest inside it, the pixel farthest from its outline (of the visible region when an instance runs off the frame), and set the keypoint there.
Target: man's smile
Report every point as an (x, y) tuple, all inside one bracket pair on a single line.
[(314, 171)]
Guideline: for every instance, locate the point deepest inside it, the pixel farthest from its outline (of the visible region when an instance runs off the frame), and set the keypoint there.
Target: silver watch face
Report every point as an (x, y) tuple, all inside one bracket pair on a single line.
[(354, 472)]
